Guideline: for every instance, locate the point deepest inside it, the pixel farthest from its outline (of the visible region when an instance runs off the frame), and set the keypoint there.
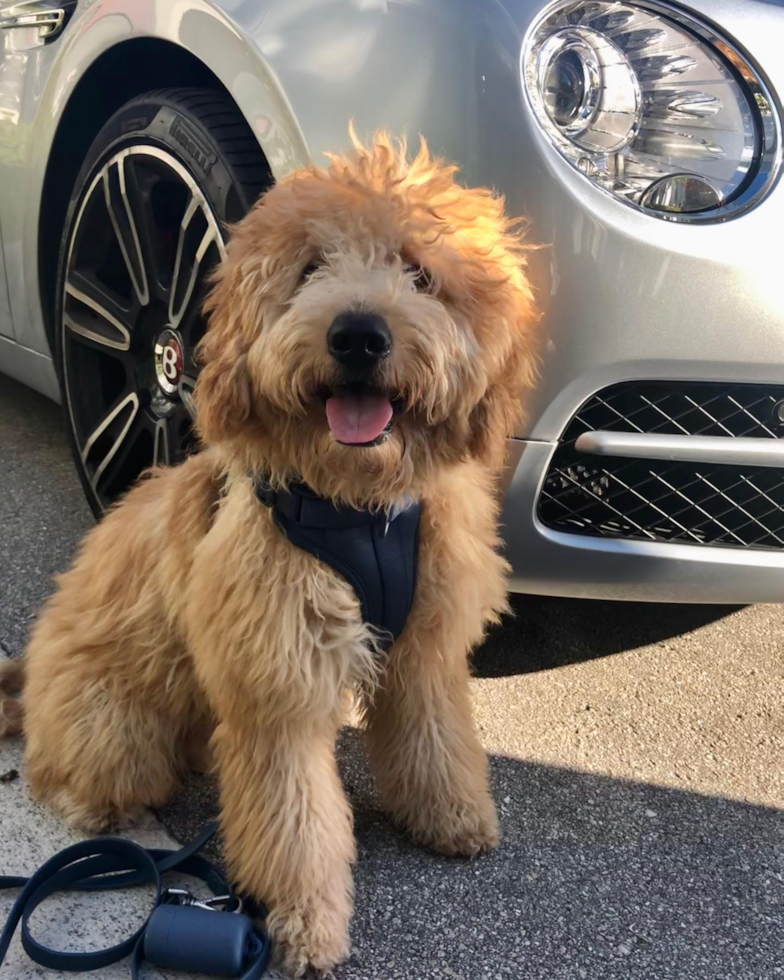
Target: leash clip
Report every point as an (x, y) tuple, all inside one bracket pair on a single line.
[(218, 903)]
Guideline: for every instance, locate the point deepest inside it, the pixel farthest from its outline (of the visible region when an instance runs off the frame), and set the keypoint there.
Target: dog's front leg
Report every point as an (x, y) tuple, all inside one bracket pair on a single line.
[(256, 633), (430, 767), (288, 834)]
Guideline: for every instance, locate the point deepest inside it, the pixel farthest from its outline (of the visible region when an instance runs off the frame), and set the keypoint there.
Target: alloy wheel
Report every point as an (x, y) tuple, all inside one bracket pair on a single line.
[(143, 242)]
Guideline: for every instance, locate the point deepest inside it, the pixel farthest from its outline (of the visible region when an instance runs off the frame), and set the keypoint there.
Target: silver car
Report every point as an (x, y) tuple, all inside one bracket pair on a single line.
[(641, 140)]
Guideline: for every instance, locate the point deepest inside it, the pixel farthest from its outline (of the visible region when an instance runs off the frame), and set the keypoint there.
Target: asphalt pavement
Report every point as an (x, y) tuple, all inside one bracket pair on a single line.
[(636, 757)]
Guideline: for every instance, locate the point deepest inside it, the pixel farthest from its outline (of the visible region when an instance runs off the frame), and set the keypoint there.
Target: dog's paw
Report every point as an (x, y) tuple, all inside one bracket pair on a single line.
[(460, 831), (310, 939), (95, 819)]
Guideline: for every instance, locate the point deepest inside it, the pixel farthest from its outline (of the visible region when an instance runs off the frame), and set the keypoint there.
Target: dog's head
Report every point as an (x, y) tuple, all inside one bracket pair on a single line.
[(370, 323)]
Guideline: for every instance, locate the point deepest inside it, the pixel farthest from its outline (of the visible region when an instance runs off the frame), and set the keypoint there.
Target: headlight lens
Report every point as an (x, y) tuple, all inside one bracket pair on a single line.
[(652, 106), (589, 90)]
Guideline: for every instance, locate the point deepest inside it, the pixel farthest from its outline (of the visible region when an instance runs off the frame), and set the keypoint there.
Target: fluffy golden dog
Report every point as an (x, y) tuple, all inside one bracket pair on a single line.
[(187, 612)]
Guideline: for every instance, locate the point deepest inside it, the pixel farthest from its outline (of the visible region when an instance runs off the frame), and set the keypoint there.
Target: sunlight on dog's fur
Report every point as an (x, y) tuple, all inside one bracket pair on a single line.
[(187, 610)]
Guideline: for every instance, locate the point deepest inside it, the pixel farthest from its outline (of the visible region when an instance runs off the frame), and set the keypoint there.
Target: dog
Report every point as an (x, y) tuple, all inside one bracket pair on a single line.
[(371, 335)]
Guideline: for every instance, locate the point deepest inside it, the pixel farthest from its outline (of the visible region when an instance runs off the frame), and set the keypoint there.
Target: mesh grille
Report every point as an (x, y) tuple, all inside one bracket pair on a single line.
[(658, 500)]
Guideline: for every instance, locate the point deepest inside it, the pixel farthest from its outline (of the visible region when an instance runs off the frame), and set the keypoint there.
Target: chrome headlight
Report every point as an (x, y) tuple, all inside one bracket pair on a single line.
[(653, 106)]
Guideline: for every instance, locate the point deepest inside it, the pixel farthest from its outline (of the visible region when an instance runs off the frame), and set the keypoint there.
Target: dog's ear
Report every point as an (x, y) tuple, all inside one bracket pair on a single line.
[(500, 409), (223, 395), (493, 419), (494, 283)]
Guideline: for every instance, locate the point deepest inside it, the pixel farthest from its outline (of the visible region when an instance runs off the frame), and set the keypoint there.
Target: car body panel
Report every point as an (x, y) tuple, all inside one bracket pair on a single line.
[(627, 295), (25, 67), (623, 294)]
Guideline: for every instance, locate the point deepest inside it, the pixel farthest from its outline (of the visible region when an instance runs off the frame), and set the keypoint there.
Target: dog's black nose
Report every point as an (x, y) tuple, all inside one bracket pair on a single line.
[(359, 340)]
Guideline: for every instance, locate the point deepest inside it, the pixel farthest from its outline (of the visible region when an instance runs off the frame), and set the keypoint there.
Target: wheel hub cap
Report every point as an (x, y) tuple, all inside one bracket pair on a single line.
[(169, 361)]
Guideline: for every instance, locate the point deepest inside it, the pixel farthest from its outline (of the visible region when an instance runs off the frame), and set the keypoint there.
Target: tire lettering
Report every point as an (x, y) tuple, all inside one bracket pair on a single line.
[(192, 145)]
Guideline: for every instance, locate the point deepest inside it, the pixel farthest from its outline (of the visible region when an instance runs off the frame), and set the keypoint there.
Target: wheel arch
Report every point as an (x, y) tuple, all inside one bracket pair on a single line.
[(104, 59), (108, 83)]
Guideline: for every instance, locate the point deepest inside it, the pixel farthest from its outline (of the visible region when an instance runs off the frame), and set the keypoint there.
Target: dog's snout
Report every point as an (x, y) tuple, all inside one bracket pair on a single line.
[(359, 340)]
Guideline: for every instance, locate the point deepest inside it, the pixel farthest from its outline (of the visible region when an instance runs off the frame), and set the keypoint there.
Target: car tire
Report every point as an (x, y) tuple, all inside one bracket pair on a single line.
[(147, 221)]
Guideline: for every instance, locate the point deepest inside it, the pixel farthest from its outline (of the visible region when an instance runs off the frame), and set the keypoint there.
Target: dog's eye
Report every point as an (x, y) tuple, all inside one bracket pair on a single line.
[(423, 281), (307, 272)]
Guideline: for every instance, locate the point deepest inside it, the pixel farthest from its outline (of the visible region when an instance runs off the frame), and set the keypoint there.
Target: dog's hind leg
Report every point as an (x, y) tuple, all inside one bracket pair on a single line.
[(98, 751), (430, 767), (110, 690)]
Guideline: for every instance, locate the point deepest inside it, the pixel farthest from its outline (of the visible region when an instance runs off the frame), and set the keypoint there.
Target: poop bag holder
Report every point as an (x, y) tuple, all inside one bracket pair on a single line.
[(181, 933), (182, 937)]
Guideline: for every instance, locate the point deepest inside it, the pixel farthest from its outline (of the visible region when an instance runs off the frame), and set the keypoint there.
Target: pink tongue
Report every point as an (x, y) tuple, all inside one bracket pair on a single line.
[(358, 418)]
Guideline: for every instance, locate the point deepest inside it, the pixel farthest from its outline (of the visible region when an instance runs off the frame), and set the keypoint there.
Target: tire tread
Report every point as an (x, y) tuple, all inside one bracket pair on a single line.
[(238, 145)]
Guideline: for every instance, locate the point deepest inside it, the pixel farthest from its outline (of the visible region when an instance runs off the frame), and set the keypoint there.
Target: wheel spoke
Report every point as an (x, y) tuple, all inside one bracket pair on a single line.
[(185, 387), (142, 245), (198, 232), (109, 434), (91, 313), (161, 455), (126, 211)]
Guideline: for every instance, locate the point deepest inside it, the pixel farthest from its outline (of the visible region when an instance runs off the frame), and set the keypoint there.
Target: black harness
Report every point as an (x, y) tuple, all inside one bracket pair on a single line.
[(374, 551)]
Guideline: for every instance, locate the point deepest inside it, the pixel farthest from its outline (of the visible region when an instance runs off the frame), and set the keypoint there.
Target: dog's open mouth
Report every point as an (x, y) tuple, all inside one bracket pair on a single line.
[(359, 416)]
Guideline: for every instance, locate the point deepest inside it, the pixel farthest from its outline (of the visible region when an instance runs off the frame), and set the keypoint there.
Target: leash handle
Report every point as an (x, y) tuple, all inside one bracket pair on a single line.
[(72, 868), (110, 863)]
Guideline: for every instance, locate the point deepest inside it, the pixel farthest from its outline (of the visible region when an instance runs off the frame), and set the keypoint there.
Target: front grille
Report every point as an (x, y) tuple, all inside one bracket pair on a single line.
[(659, 500)]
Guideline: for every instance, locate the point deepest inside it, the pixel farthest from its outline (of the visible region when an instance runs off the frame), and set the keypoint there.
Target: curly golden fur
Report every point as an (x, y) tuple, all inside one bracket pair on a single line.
[(186, 611)]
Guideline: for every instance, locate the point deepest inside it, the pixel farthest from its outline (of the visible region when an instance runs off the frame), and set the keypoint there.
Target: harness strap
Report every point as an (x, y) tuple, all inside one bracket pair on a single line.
[(302, 506), (374, 551), (110, 863)]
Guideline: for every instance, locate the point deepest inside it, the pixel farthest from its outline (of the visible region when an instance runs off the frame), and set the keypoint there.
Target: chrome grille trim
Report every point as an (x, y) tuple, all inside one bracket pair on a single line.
[(712, 472), (743, 451)]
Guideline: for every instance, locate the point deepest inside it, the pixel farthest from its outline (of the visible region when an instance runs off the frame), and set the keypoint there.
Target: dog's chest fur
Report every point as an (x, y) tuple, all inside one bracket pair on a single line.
[(299, 621)]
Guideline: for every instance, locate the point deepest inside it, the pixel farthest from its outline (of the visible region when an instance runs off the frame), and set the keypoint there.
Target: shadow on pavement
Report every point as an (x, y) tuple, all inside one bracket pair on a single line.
[(546, 632), (596, 878)]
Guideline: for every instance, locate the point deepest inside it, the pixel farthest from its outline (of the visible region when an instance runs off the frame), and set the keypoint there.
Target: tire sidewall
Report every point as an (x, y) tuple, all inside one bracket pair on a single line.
[(145, 121)]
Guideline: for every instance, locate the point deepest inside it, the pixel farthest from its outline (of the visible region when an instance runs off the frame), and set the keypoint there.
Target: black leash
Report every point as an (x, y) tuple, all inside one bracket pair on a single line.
[(181, 933)]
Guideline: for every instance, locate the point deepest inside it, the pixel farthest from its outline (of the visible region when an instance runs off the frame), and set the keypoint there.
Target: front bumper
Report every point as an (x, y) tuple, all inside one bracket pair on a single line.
[(627, 297), (549, 562)]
